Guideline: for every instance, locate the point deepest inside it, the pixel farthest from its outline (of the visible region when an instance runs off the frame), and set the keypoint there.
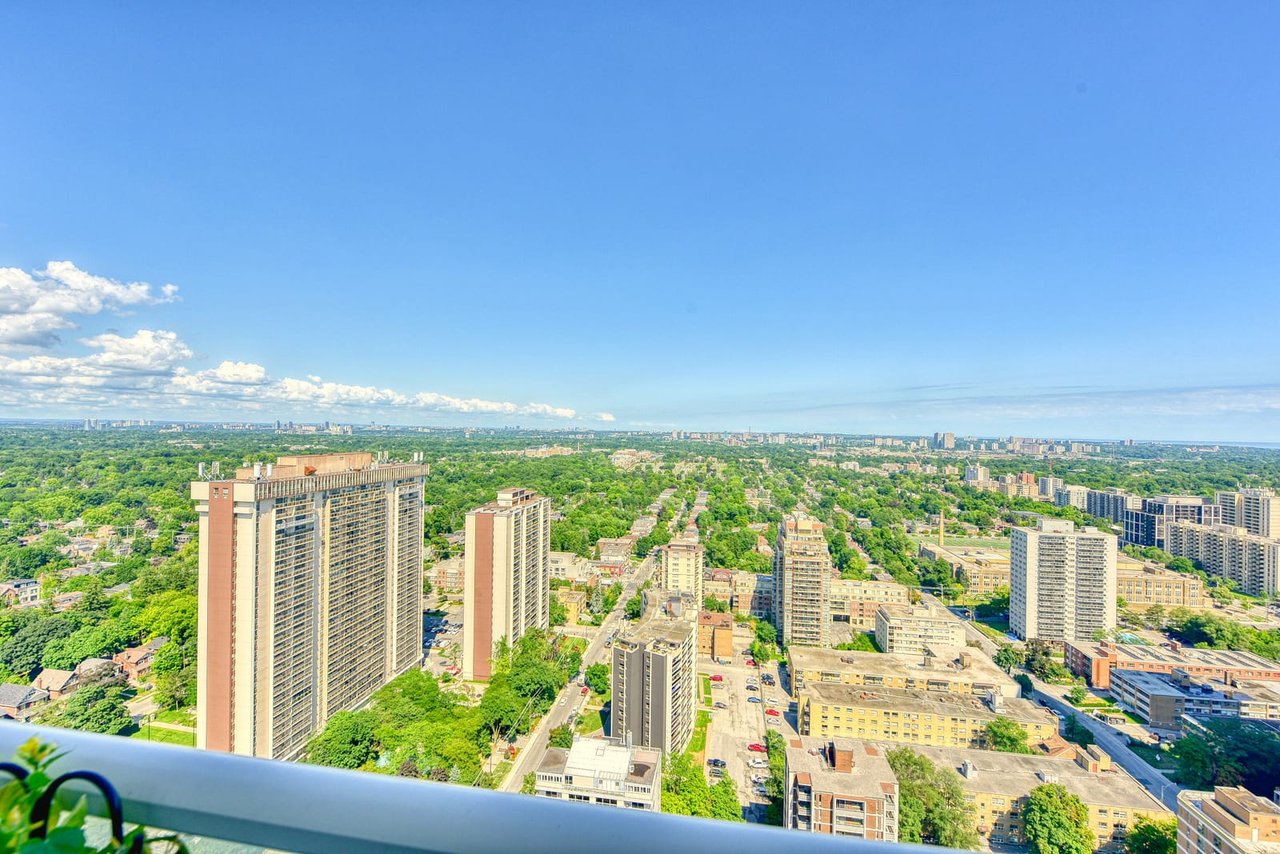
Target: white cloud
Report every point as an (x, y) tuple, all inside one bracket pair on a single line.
[(36, 306), (148, 370), (147, 351), (605, 416)]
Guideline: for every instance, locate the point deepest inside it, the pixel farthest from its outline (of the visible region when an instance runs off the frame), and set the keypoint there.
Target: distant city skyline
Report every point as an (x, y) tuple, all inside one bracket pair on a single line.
[(896, 220)]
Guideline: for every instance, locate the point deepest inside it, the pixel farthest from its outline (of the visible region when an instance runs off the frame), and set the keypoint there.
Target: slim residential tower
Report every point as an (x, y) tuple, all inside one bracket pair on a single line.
[(802, 582), (506, 575)]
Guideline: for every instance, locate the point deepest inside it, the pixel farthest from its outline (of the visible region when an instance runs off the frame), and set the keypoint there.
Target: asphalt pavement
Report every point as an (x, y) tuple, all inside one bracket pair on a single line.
[(533, 746)]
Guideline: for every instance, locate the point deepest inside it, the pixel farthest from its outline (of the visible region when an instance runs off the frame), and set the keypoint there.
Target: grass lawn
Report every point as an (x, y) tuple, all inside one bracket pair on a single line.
[(168, 736), (993, 543), (499, 774), (698, 742), (1154, 756), (862, 642), (992, 633), (592, 720), (706, 690), (182, 717), (1000, 625)]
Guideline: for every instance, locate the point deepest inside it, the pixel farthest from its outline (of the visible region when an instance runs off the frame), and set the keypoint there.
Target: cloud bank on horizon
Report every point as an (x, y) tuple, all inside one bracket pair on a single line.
[(151, 369)]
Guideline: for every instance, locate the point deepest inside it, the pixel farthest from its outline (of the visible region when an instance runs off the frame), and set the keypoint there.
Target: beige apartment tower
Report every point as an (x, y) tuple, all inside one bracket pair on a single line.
[(681, 568), (802, 582), (507, 575), (1062, 584), (1250, 560), (1255, 510), (310, 595)]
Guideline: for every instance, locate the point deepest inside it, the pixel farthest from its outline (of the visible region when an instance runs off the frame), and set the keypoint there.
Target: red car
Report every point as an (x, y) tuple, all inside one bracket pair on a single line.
[(757, 748), (717, 678), (751, 662), (773, 713), (585, 689)]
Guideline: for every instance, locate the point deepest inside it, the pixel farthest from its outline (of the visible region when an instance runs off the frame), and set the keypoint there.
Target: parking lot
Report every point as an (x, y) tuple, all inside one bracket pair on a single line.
[(442, 640), (743, 722)]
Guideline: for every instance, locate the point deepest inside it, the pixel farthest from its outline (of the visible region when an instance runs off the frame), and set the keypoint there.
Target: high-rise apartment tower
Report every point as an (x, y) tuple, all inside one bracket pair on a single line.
[(506, 575), (310, 596), (1062, 584), (655, 674), (802, 582), (681, 567), (1255, 510)]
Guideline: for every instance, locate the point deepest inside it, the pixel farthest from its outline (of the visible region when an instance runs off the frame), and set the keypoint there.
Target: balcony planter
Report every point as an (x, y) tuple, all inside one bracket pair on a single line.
[(33, 820)]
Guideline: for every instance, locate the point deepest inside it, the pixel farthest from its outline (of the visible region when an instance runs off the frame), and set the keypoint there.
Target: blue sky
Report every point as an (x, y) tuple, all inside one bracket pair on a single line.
[(1056, 219)]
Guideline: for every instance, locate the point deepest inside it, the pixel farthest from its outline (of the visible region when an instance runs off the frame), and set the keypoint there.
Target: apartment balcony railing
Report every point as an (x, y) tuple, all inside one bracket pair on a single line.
[(292, 807)]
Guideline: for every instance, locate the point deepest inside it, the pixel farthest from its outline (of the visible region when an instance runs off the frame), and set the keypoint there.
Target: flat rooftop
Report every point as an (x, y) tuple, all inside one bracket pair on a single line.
[(871, 775), (943, 663), (926, 702), (600, 758), (1226, 658), (659, 624), (1164, 684), (1015, 775), (898, 612)]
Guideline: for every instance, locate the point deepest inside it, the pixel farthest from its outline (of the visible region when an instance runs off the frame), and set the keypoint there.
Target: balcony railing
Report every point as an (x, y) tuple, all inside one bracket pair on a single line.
[(293, 807)]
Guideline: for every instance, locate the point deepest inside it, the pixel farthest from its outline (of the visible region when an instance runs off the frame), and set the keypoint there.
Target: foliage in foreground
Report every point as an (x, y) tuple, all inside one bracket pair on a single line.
[(1152, 836), (685, 792), (1054, 821), (932, 805), (415, 728)]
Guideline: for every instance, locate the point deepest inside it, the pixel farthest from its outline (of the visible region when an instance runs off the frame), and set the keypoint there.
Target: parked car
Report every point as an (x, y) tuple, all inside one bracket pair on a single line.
[(716, 677), (585, 690), (753, 688), (773, 713), (721, 705), (757, 747), (751, 662), (716, 763), (758, 763), (754, 700)]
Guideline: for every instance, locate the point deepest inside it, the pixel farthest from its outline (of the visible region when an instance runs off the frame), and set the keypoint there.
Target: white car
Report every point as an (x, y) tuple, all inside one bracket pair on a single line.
[(758, 763)]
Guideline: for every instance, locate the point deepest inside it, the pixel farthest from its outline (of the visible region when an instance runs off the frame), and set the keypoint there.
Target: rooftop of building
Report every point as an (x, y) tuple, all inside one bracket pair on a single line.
[(1182, 684), (914, 701), (669, 617), (685, 543), (508, 499), (1236, 813), (950, 661), (841, 765), (1015, 774), (1132, 567), (715, 618), (1176, 655), (598, 757), (897, 611)]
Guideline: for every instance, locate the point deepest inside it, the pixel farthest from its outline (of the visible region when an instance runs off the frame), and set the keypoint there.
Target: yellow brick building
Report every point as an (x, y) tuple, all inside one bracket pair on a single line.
[(915, 717)]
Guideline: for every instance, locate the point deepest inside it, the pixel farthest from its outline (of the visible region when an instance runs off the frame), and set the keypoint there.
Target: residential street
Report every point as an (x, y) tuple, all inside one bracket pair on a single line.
[(1160, 786), (534, 745)]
